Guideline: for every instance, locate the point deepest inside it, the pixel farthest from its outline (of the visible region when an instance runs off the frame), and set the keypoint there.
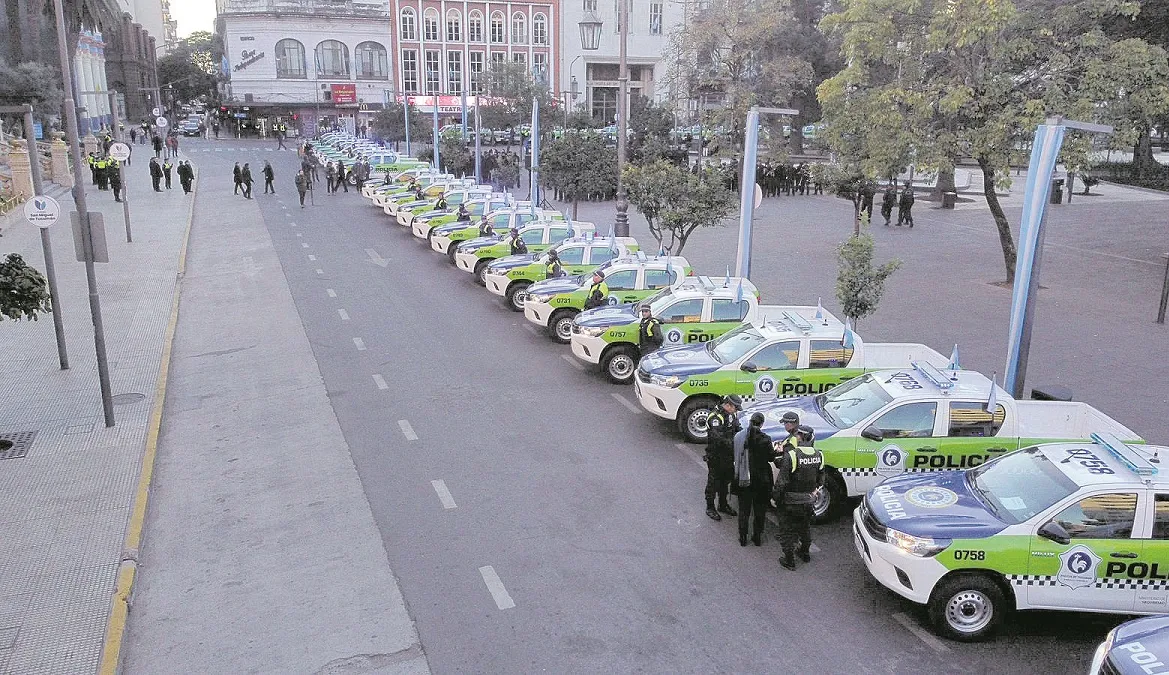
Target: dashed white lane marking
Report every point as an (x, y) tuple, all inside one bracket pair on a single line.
[(633, 408), (293, 224), (444, 495), (691, 454), (344, 315), (320, 271), (923, 635), (380, 381), (359, 343), (495, 586), (312, 258), (407, 430), (299, 234), (331, 293), (572, 360), (376, 258), (304, 244)]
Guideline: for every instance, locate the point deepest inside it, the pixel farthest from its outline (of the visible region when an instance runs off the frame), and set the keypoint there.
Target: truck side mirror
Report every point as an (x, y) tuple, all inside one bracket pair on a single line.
[(872, 433), (750, 367), (1055, 532)]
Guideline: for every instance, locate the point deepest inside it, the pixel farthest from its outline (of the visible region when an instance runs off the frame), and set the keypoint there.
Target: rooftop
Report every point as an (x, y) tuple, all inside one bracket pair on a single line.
[(379, 9)]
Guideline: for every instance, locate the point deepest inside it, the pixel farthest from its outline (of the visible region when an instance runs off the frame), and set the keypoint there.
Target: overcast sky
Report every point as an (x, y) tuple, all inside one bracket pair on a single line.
[(193, 15)]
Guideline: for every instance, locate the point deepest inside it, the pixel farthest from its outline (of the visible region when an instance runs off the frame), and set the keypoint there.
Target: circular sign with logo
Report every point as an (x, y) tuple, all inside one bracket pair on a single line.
[(932, 497), (156, 111), (612, 300), (765, 388), (42, 211), (160, 122), (674, 336), (890, 461), (120, 151)]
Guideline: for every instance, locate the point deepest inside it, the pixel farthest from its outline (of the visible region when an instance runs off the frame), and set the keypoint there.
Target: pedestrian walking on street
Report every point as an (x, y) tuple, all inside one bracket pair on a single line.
[(215, 127), (905, 206), (280, 136), (116, 180), (867, 194), (157, 142), (888, 200), (166, 167), (753, 480), (721, 427), (800, 476), (269, 175), (342, 176), (245, 177), (186, 176), (330, 178), (237, 175), (155, 173), (302, 185)]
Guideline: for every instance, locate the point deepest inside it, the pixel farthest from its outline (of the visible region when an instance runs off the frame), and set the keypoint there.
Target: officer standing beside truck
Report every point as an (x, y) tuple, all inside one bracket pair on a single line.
[(722, 425), (801, 474), (649, 331)]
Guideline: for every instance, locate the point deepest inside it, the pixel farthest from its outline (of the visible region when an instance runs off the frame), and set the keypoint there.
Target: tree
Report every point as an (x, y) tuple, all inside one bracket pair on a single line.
[(23, 291), (390, 124), (510, 89), (189, 68), (578, 165), (31, 82), (649, 124), (676, 202), (859, 286), (932, 81)]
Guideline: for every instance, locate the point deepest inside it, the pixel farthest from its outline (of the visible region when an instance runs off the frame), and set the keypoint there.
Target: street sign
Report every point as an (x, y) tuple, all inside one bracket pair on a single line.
[(156, 112), (758, 195), (120, 151), (160, 122), (42, 211), (97, 229)]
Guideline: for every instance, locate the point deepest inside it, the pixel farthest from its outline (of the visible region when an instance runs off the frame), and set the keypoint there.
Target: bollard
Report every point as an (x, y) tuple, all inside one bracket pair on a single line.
[(1164, 291)]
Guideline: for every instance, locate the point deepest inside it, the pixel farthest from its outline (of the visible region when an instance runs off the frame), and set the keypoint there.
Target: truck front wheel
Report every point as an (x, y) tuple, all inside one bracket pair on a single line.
[(560, 325), (692, 417), (517, 295), (620, 364), (451, 250), (481, 272), (967, 607), (832, 501)]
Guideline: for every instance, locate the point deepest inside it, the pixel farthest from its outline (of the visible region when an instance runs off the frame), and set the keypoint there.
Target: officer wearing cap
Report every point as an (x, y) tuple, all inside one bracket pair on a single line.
[(463, 215), (791, 421), (597, 292), (517, 245), (800, 476), (721, 426), (553, 268), (485, 229), (649, 331)]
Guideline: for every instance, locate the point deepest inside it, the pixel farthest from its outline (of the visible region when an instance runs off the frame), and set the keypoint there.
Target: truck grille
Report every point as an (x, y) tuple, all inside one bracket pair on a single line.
[(875, 528)]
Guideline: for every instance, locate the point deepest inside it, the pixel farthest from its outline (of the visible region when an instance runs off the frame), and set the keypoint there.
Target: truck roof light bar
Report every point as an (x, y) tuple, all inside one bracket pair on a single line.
[(930, 372), (1127, 455), (798, 322)]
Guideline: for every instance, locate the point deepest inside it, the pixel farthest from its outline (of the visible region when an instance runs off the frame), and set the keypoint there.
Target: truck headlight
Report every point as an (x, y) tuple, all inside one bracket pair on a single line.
[(591, 331), (539, 297), (671, 381), (922, 547)]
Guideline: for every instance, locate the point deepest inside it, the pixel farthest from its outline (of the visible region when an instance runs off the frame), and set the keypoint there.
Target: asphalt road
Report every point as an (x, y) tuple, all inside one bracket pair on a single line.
[(537, 520)]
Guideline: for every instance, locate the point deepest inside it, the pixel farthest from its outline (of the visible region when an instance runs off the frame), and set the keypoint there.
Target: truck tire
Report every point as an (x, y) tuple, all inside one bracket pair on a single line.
[(481, 272), (692, 417), (560, 325), (451, 250), (517, 294), (834, 500), (967, 607), (620, 364)]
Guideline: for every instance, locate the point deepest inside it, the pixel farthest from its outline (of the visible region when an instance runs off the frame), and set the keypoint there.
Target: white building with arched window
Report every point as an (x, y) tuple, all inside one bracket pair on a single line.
[(303, 61)]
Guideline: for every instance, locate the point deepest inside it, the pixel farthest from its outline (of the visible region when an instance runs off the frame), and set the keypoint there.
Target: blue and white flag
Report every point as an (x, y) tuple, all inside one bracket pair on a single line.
[(727, 278), (535, 172), (739, 292), (954, 364), (661, 251), (612, 241), (819, 310), (992, 400), (848, 340)]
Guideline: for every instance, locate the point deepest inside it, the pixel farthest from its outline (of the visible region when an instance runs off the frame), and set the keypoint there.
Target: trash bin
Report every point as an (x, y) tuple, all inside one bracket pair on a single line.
[(949, 199), (1057, 190), (1053, 393)]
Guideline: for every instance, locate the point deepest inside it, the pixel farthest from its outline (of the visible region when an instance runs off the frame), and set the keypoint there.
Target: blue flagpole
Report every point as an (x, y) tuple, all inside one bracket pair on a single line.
[(406, 116), (464, 116), (535, 157), (478, 146), (436, 164)]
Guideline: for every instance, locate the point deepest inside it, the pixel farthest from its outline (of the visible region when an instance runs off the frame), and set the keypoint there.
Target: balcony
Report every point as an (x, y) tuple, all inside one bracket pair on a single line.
[(331, 8)]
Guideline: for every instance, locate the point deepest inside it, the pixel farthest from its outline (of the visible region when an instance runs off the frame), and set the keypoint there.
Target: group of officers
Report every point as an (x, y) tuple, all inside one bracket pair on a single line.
[(103, 170)]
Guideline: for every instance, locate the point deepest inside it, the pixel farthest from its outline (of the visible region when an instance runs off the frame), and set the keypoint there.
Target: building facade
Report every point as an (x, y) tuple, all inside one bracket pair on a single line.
[(596, 72), (89, 72), (131, 57)]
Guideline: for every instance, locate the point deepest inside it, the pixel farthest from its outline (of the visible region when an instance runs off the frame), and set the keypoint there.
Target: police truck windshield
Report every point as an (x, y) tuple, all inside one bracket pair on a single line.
[(850, 403), (730, 347), (1017, 486)]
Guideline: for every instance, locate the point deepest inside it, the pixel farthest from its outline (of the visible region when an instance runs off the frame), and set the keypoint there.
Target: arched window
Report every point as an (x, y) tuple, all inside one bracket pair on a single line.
[(519, 29), (290, 59), (539, 30), (332, 59), (454, 26), (372, 63), (475, 26), (430, 25), (497, 28), (409, 25)]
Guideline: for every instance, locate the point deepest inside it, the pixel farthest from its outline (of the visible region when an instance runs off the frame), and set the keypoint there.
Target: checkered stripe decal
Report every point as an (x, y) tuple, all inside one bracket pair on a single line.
[(1031, 580), (1123, 584), (863, 473)]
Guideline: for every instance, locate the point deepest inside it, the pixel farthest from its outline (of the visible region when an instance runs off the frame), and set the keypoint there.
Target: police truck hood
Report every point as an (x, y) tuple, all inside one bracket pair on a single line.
[(557, 285), (454, 227), (610, 315), (1153, 635), (804, 406), (684, 361), (472, 245), (512, 261), (936, 504)]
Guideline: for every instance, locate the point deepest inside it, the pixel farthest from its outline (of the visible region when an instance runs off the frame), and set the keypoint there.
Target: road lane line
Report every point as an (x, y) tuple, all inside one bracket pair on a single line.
[(495, 585), (360, 344), (625, 402), (344, 314), (572, 361), (331, 292), (380, 381), (376, 258), (320, 271), (691, 454), (407, 430), (312, 258), (303, 244), (444, 495), (923, 635)]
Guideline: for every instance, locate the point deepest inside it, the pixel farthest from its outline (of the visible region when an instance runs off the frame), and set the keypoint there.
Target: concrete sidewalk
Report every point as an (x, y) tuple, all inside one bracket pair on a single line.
[(68, 499), (260, 552)]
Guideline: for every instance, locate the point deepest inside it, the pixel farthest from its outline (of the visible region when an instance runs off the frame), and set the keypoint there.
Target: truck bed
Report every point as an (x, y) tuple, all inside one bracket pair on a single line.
[(880, 355), (1067, 419)]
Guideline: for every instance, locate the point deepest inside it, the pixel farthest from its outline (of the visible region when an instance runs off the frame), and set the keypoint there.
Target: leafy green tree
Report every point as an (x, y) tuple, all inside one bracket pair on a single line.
[(390, 124), (859, 285), (189, 67), (578, 165), (676, 202), (649, 124), (31, 82), (510, 89), (24, 293)]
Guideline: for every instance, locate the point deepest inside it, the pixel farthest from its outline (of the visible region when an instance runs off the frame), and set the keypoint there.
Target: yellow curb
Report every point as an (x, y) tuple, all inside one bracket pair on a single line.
[(120, 606)]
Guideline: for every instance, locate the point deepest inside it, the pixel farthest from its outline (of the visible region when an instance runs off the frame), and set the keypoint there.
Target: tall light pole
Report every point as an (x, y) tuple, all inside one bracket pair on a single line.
[(590, 40)]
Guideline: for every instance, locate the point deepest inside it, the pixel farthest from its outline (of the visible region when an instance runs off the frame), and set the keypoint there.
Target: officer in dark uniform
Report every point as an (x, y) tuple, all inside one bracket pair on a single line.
[(597, 292), (441, 204), (463, 215), (753, 487), (115, 177), (517, 245), (722, 425), (791, 421), (553, 268), (649, 331), (485, 229), (801, 475)]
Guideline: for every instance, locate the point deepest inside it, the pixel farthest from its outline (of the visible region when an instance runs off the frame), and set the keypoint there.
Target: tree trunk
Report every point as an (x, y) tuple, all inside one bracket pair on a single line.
[(1000, 218), (796, 143), (1142, 156), (945, 183), (856, 216), (575, 204)]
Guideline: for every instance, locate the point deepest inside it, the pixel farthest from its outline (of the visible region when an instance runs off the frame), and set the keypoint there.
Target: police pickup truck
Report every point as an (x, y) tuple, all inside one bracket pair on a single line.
[(380, 193), (804, 351), (1140, 646), (476, 254), (513, 214), (510, 277), (692, 310), (923, 418), (1081, 526), (552, 304), (424, 217), (447, 236)]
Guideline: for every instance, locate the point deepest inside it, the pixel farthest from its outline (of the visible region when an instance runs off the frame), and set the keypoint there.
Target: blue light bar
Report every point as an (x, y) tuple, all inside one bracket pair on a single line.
[(1126, 454), (798, 322), (930, 372)]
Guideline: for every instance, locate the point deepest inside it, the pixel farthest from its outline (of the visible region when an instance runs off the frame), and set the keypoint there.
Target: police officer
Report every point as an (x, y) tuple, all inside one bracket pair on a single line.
[(441, 204), (791, 422), (553, 267), (649, 331), (115, 176), (517, 245), (597, 292), (722, 425), (753, 459), (463, 215), (801, 475), (485, 229)]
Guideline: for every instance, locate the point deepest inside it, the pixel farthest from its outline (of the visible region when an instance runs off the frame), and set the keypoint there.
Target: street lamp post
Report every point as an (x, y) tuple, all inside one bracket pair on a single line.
[(590, 40)]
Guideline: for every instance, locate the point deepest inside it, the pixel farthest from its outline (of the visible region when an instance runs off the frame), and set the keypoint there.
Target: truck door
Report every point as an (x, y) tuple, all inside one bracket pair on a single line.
[(907, 430), (970, 438), (771, 371), (622, 286), (1091, 572), (827, 365), (681, 321), (1154, 595), (572, 259)]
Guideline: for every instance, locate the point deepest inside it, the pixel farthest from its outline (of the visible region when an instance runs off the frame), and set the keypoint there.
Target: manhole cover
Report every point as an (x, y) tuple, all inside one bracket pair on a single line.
[(15, 444), (127, 399)]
